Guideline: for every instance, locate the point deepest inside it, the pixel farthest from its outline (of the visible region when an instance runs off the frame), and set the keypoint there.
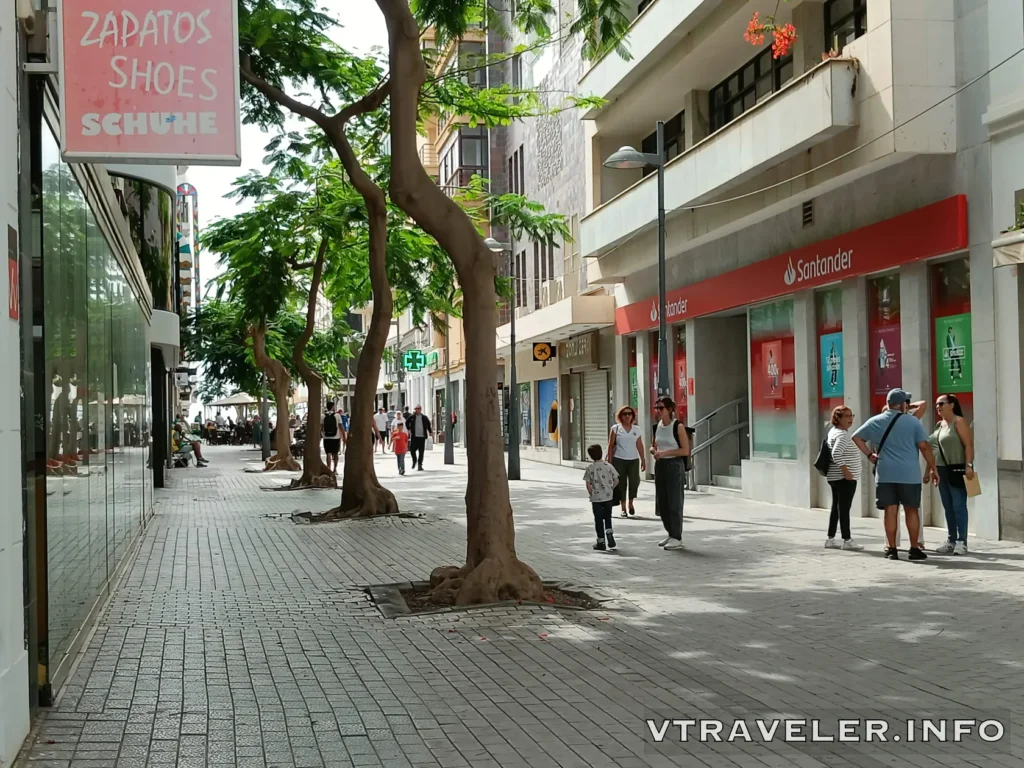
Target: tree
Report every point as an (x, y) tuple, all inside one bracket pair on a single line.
[(285, 43)]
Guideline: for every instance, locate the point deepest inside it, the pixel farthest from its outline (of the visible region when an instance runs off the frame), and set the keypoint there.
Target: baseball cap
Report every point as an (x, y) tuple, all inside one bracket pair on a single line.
[(897, 397)]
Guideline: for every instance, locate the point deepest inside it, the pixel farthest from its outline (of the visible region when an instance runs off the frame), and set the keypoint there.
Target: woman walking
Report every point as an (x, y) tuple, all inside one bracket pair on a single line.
[(953, 445), (671, 451), (843, 474), (626, 454)]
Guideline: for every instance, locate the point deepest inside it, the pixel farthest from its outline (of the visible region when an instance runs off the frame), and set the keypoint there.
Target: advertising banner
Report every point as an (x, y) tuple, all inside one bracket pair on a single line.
[(831, 365), (547, 404), (886, 359), (144, 83), (634, 388), (954, 363), (771, 371), (934, 230)]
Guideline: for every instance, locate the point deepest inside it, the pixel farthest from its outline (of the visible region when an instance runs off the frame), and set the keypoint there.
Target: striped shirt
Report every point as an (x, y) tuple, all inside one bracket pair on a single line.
[(844, 452)]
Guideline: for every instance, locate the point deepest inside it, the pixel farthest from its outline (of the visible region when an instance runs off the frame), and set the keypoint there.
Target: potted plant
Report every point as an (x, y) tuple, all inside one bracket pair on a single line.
[(1009, 246)]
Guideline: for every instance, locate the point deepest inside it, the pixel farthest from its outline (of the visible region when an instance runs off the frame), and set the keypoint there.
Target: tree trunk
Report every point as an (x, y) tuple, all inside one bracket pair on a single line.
[(315, 473), (492, 571), (280, 382)]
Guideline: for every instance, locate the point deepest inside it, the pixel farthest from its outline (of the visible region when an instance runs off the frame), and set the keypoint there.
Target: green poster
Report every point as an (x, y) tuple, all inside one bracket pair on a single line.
[(954, 361), (634, 389)]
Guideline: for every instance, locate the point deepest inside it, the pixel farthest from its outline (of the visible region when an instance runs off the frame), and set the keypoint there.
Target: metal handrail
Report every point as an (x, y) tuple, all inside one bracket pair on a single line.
[(725, 432), (737, 401)]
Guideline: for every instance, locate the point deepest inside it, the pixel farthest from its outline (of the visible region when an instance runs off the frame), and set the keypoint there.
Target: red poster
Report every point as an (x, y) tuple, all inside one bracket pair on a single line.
[(771, 370), (886, 359), (680, 385), (934, 230)]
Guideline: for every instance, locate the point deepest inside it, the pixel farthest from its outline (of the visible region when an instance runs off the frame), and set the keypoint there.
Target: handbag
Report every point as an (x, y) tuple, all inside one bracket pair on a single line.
[(881, 445), (824, 461), (957, 473)]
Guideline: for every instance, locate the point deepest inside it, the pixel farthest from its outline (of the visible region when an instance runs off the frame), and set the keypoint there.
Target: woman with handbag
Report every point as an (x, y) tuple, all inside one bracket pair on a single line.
[(842, 475), (953, 445)]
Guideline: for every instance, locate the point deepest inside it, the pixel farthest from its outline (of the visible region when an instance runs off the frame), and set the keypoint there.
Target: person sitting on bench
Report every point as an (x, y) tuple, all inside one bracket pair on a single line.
[(183, 446)]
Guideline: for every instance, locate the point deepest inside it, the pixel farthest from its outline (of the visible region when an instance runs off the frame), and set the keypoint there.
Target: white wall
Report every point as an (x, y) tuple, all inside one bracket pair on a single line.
[(14, 716)]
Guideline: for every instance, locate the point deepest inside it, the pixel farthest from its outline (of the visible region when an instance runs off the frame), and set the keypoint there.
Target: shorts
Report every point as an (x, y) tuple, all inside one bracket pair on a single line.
[(382, 436), (332, 446), (894, 494)]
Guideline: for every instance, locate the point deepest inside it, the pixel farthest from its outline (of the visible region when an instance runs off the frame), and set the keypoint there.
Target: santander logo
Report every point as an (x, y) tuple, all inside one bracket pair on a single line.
[(654, 312), (818, 267)]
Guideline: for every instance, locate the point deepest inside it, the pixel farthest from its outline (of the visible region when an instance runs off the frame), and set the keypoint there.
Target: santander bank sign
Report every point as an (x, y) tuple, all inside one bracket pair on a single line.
[(935, 230), (150, 81)]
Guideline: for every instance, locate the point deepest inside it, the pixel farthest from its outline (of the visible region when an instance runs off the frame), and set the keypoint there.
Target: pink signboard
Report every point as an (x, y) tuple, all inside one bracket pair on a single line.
[(885, 355), (148, 83)]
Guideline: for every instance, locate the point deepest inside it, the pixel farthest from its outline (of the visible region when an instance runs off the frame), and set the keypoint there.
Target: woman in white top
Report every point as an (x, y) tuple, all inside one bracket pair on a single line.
[(843, 474), (626, 454)]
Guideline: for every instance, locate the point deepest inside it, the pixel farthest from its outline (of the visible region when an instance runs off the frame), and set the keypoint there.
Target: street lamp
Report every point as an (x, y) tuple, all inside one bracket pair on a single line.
[(449, 407), (628, 158), (514, 472)]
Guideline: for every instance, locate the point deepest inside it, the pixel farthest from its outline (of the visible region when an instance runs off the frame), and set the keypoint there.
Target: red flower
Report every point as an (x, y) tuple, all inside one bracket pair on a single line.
[(784, 39), (755, 31)]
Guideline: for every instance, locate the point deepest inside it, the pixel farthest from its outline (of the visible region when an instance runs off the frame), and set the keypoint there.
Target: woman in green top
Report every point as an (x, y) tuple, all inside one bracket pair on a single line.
[(953, 445)]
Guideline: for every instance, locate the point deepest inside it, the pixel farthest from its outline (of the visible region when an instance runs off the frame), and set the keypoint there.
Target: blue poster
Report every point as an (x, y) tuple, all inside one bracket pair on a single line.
[(547, 411), (831, 365)]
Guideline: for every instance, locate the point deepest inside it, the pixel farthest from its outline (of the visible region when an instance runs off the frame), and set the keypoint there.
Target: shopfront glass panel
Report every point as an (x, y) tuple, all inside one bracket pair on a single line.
[(679, 371), (654, 358), (525, 414), (96, 369), (885, 350), (773, 381), (547, 410), (828, 306), (634, 379), (953, 354), (575, 417)]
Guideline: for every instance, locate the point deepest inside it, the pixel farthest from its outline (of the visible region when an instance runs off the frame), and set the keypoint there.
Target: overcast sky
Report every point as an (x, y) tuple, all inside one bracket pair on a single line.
[(363, 30)]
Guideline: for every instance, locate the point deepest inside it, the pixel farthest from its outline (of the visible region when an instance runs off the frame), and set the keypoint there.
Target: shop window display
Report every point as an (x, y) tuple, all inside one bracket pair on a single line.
[(547, 409), (953, 353), (885, 358), (828, 305), (773, 380)]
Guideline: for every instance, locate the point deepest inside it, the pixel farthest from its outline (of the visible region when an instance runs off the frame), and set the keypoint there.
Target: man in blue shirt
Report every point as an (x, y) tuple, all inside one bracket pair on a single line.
[(898, 478)]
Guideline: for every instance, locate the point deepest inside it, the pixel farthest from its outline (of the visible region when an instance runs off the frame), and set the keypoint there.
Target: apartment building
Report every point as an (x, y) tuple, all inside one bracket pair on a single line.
[(830, 218)]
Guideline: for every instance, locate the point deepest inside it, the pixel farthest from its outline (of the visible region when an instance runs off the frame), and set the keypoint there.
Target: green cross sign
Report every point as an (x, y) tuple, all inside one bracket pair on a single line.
[(414, 360)]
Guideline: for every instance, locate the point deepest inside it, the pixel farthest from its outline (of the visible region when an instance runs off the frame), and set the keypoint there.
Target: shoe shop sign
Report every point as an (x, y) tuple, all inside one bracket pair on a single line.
[(934, 230), (150, 83)]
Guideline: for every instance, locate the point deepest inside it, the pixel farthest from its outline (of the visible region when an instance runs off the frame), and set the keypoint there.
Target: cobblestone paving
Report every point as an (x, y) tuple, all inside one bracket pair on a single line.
[(238, 638)]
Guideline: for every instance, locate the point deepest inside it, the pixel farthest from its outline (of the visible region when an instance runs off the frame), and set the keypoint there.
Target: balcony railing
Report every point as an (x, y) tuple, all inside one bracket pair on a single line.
[(428, 157)]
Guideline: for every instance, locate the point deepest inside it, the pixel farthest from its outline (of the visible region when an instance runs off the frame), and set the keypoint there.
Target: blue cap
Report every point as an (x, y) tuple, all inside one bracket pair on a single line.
[(897, 397)]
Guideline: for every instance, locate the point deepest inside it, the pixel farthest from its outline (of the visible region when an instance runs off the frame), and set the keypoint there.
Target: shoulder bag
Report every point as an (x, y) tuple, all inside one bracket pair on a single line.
[(956, 474), (881, 445)]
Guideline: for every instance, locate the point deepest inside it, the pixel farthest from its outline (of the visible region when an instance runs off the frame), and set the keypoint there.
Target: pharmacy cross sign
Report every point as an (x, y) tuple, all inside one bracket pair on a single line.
[(414, 360)]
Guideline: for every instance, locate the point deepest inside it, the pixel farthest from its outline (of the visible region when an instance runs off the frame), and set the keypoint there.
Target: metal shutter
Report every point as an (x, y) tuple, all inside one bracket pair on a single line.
[(595, 408)]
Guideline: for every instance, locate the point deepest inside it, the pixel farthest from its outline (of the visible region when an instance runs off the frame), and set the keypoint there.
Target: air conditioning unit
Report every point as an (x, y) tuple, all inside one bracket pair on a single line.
[(550, 292), (522, 312)]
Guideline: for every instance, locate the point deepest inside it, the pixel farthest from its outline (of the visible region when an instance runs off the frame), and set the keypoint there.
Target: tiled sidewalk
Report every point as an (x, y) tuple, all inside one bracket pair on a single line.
[(240, 639)]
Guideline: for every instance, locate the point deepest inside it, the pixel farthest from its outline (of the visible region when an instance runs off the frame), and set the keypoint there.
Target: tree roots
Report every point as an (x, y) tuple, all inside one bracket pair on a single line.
[(283, 464), (492, 581), (376, 501)]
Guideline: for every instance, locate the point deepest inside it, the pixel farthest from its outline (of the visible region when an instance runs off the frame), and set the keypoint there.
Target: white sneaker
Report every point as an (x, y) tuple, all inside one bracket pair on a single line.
[(852, 546), (960, 548), (664, 541), (674, 544), (945, 548), (832, 544)]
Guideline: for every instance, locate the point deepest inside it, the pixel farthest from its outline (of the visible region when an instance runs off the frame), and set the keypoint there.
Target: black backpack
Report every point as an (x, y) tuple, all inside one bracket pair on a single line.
[(331, 425), (690, 432)]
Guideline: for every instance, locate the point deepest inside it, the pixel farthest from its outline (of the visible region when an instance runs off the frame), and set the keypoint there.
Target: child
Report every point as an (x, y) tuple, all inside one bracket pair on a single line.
[(601, 479), (400, 444)]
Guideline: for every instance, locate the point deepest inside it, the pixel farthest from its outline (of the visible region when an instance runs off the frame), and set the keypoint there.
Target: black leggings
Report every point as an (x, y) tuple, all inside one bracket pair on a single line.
[(629, 474), (842, 500)]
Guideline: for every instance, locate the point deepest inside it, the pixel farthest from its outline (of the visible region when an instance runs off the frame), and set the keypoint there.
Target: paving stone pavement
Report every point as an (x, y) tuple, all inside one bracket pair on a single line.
[(238, 638)]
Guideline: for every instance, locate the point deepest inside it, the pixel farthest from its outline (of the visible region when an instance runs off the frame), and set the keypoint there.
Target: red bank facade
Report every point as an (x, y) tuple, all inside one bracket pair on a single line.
[(763, 353)]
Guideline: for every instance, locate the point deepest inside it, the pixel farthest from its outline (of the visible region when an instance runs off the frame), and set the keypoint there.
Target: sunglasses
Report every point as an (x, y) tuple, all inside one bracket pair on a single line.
[(942, 403), (659, 407), (628, 413)]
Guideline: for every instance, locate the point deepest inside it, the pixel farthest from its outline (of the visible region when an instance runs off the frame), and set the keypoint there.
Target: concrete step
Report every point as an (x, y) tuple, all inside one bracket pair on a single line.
[(736, 470), (729, 481), (721, 490)]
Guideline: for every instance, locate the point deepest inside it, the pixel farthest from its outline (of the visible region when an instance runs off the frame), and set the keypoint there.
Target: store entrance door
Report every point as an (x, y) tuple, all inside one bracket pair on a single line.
[(572, 442)]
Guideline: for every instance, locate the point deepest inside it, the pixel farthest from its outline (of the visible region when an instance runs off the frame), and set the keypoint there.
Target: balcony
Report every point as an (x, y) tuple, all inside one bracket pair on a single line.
[(429, 159), (825, 100), (565, 318)]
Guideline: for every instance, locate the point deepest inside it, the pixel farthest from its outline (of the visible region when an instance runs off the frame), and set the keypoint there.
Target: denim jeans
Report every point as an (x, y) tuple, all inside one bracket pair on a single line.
[(602, 517), (954, 502), (401, 461)]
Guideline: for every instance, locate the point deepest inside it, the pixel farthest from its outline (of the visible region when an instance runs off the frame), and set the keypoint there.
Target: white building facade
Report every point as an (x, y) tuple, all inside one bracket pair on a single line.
[(830, 218)]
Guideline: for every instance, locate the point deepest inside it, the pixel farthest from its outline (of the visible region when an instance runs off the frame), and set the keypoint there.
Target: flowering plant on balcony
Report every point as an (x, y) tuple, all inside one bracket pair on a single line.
[(783, 35)]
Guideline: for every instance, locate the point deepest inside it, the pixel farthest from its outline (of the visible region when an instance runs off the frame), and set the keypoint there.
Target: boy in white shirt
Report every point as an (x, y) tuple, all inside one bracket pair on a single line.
[(601, 479)]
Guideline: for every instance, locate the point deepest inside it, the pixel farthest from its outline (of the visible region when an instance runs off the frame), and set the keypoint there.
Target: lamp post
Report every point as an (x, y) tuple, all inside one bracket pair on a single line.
[(449, 431), (628, 158), (514, 471)]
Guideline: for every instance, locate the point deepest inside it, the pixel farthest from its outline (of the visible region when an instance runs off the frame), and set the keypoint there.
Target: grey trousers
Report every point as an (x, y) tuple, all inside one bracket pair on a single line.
[(669, 489)]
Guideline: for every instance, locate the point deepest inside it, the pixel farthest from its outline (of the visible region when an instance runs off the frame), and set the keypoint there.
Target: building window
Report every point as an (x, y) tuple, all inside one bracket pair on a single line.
[(517, 76), (519, 279), (675, 141), (537, 258), (845, 21), (463, 156), (472, 63), (751, 84), (516, 174), (644, 5)]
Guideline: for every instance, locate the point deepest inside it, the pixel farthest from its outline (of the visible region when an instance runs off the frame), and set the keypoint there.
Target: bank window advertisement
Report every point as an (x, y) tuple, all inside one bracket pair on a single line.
[(679, 372), (547, 408), (654, 358), (525, 414), (773, 380), (885, 358), (952, 348), (634, 379), (828, 307)]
